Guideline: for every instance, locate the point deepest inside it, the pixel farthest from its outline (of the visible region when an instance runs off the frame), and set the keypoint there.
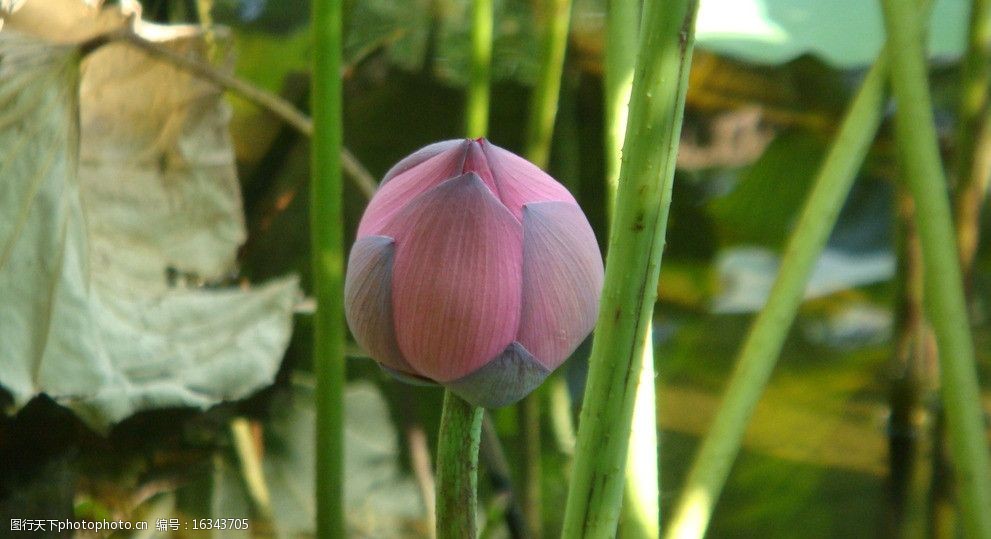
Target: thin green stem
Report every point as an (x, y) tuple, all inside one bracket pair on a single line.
[(973, 137), (543, 102), (327, 245), (496, 512), (497, 467), (632, 266), (532, 493), (971, 197), (923, 174), (763, 344), (641, 515), (561, 416), (457, 468), (477, 109), (910, 441), (975, 77)]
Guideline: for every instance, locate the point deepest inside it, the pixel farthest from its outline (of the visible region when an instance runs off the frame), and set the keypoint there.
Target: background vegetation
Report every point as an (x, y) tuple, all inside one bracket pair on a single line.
[(189, 394)]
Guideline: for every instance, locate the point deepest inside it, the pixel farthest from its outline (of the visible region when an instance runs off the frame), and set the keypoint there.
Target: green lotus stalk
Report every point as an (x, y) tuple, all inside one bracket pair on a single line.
[(327, 245), (923, 174), (477, 108), (532, 491), (763, 344), (641, 515), (632, 267), (457, 468), (544, 100)]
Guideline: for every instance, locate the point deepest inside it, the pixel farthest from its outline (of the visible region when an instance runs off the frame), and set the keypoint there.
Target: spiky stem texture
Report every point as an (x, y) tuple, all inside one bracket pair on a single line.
[(641, 514), (632, 266), (457, 468)]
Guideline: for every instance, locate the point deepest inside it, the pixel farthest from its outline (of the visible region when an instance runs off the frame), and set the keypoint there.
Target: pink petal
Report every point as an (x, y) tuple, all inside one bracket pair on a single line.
[(475, 161), (519, 181), (562, 280), (505, 379), (417, 174), (457, 278), (421, 155), (368, 300)]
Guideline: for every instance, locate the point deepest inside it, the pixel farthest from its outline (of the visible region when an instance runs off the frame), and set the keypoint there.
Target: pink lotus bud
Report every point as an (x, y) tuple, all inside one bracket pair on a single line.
[(473, 269)]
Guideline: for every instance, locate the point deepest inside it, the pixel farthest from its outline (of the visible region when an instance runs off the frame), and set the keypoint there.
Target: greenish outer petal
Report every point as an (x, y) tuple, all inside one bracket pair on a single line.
[(506, 379), (368, 301)]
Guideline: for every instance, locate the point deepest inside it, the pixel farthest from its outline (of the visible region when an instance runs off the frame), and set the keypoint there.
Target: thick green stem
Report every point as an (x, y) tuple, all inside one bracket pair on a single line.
[(457, 468), (923, 174), (327, 245), (632, 266), (641, 515), (477, 109), (763, 344)]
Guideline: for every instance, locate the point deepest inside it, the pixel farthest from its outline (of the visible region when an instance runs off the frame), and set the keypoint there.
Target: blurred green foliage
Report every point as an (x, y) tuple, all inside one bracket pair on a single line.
[(814, 460)]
